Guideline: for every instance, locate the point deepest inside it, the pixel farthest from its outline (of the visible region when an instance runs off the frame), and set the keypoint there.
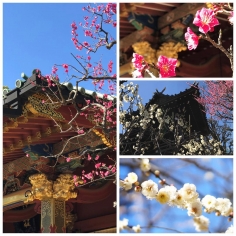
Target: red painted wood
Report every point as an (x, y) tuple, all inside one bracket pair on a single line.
[(19, 215)]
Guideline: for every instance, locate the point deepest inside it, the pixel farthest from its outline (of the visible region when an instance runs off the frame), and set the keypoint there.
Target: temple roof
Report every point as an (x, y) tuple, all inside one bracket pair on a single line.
[(27, 121), (176, 103)]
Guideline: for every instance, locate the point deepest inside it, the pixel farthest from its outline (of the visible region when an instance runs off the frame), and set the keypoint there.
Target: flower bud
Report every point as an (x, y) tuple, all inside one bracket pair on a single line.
[(138, 189), (157, 173)]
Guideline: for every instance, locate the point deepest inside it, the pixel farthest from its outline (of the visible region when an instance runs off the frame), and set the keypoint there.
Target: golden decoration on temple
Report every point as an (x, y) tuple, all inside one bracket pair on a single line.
[(41, 105), (105, 140), (42, 188), (63, 187)]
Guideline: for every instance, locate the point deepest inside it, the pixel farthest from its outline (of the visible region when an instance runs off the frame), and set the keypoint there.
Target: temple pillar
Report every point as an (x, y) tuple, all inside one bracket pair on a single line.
[(53, 216), (53, 195)]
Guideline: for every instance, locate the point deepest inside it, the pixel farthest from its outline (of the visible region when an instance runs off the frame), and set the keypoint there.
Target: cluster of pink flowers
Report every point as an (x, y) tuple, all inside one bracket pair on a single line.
[(217, 98), (165, 65), (101, 171), (110, 66), (206, 20)]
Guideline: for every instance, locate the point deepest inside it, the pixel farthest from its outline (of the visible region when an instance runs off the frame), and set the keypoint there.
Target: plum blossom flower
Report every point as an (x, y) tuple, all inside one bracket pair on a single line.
[(132, 177), (110, 66), (189, 192), (209, 202), (223, 205), (65, 66), (201, 223), (191, 38), (137, 61), (136, 229), (149, 189), (194, 208), (178, 200), (230, 230), (123, 224), (137, 74), (163, 196), (145, 165), (166, 66), (125, 184), (205, 19)]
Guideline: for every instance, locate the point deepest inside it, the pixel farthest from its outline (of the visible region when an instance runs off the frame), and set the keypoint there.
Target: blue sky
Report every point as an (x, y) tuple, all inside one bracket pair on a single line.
[(147, 88), (38, 35), (139, 210)]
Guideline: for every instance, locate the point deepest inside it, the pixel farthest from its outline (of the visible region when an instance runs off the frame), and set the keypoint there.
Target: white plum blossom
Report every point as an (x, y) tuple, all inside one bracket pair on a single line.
[(136, 229), (178, 200), (209, 202), (123, 224), (145, 165), (194, 208), (201, 223), (223, 205), (189, 192), (166, 194), (163, 196), (132, 177), (125, 184), (149, 189), (230, 230)]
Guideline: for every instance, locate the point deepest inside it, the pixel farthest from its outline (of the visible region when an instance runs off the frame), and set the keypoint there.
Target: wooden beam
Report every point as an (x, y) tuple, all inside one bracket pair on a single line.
[(134, 37), (178, 13)]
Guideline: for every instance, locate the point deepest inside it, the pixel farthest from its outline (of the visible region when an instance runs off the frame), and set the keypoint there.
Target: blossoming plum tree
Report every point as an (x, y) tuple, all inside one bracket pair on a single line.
[(182, 202), (143, 128), (95, 28)]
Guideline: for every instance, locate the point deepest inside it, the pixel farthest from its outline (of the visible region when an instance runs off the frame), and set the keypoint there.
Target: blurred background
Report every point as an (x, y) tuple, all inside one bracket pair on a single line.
[(211, 176)]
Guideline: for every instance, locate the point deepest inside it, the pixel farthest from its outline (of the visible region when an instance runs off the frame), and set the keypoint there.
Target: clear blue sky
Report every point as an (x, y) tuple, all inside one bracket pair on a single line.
[(139, 210), (38, 35)]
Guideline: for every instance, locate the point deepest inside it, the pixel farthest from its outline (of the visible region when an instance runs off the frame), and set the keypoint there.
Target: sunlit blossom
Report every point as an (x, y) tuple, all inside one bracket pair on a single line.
[(149, 189), (201, 223), (205, 19), (191, 38), (166, 66)]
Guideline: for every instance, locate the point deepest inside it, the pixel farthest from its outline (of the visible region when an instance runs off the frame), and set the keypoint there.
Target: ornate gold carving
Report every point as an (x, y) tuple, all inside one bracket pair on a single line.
[(42, 188), (63, 187), (46, 108), (48, 131), (20, 143), (10, 124), (105, 140), (11, 146), (29, 139)]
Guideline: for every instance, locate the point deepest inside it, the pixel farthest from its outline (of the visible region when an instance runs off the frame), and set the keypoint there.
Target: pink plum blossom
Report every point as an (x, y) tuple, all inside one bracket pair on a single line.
[(166, 66), (191, 38), (205, 19)]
